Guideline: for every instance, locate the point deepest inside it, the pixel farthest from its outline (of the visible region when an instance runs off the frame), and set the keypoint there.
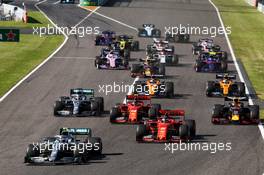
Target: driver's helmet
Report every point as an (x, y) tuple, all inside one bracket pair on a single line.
[(66, 138), (75, 97), (236, 102), (225, 81), (165, 118), (152, 80), (226, 76)]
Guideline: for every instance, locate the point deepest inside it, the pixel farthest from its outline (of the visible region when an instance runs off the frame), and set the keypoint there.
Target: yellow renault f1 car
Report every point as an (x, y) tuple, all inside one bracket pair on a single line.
[(154, 87), (127, 42), (235, 112), (225, 87)]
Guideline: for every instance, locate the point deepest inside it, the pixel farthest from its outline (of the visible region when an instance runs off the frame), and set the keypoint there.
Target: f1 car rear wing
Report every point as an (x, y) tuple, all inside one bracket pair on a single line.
[(138, 97), (236, 98), (221, 76), (80, 91), (160, 41), (76, 131), (148, 25), (206, 40), (171, 113)]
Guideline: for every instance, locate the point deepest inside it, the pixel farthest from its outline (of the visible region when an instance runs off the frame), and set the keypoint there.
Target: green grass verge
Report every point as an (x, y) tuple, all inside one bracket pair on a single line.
[(36, 19), (247, 38), (18, 59)]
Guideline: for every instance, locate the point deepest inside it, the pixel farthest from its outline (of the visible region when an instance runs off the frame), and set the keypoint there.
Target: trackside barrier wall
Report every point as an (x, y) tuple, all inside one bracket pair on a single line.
[(92, 2), (18, 13)]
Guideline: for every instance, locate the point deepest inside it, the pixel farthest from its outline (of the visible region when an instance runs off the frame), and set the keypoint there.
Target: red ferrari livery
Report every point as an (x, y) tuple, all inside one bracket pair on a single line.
[(170, 127), (136, 110)]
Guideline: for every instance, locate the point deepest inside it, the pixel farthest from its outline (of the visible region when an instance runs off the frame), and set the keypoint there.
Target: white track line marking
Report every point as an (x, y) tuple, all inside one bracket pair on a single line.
[(92, 11), (57, 2), (41, 64), (112, 19), (260, 126)]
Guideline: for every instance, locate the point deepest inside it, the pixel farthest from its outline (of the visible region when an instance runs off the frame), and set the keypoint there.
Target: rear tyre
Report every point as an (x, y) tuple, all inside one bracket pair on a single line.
[(114, 113), (209, 88), (97, 145), (57, 107), (162, 69), (153, 111), (184, 131), (135, 68), (95, 108), (241, 89), (32, 151), (169, 89), (192, 127), (254, 112), (141, 132), (100, 101)]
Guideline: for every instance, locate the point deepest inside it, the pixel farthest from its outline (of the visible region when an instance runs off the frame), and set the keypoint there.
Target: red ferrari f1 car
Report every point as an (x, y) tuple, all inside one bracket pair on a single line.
[(170, 127), (136, 110)]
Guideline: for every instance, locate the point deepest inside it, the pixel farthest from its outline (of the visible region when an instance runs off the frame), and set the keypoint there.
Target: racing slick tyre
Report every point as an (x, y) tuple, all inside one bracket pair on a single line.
[(175, 60), (32, 151), (95, 108), (191, 126), (97, 145), (100, 101), (254, 112), (135, 46), (241, 89), (97, 62), (140, 132), (114, 113), (198, 66), (209, 88), (224, 56), (172, 48), (194, 49), (97, 40), (184, 131), (142, 32), (162, 69), (135, 68), (170, 37), (153, 111), (224, 66), (126, 54), (169, 89), (217, 112), (57, 107)]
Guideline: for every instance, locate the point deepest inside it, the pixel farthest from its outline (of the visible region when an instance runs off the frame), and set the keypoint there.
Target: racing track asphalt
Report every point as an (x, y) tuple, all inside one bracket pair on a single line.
[(26, 114)]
